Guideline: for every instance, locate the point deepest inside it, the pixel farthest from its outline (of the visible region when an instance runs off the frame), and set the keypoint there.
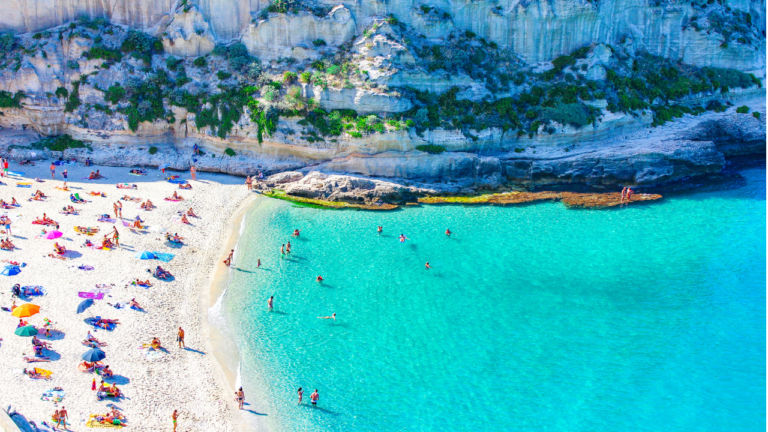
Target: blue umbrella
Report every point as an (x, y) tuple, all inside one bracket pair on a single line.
[(145, 255), (26, 331), (11, 270), (163, 166), (94, 355), (85, 304)]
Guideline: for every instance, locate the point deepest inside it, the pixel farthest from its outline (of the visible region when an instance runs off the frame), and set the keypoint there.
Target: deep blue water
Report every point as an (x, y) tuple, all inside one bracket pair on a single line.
[(540, 318)]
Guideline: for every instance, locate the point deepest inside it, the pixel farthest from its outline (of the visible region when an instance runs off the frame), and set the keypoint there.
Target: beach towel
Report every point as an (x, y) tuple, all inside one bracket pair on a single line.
[(24, 185), (98, 194), (126, 186), (90, 295), (164, 257), (29, 290), (94, 424), (45, 373), (139, 284), (174, 200), (89, 231), (15, 173), (177, 181), (92, 322), (85, 267), (53, 395), (61, 188), (107, 219)]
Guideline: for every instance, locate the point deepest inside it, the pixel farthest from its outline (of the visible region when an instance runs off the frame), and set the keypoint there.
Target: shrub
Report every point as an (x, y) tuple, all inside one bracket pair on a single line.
[(62, 93), (142, 43), (431, 148), (305, 77), (114, 94), (99, 52), (289, 77), (152, 150), (756, 115), (223, 75), (743, 109), (318, 42), (575, 114), (59, 143), (8, 101), (229, 152), (172, 63), (392, 20), (200, 62)]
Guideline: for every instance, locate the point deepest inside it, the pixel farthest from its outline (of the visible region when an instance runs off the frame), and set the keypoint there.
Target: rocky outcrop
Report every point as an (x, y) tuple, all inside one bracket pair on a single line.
[(276, 37), (362, 101), (188, 35)]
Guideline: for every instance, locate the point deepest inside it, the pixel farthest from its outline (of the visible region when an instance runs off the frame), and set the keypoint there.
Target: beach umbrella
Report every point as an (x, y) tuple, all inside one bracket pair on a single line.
[(85, 304), (11, 270), (163, 166), (26, 331), (53, 235), (145, 255), (94, 355), (25, 310)]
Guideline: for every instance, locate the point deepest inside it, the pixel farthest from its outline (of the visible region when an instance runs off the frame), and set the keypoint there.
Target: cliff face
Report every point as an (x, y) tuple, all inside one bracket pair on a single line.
[(537, 30)]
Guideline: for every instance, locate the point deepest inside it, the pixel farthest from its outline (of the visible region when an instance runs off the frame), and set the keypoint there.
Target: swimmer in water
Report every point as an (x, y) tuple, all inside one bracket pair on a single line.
[(448, 232), (333, 317), (288, 249), (296, 232), (379, 230), (271, 302), (282, 250), (403, 238), (320, 279), (427, 265)]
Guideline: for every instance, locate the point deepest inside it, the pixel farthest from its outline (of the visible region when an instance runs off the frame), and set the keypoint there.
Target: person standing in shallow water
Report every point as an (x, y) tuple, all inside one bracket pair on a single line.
[(271, 303), (240, 397), (301, 394), (282, 250), (228, 261), (379, 229), (623, 193), (314, 397), (288, 249), (448, 232)]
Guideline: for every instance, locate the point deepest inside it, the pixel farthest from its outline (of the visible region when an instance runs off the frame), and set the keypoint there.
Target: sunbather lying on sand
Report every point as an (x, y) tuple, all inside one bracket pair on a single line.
[(104, 323), (38, 196), (36, 359), (145, 283), (184, 219), (185, 186), (174, 238), (134, 304), (68, 210), (161, 274), (75, 199), (90, 339), (147, 205), (38, 342), (34, 374), (175, 197), (45, 220), (98, 194), (128, 198)]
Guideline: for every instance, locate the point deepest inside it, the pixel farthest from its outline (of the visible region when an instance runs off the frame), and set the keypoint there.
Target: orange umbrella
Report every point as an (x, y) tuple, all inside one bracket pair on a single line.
[(26, 310)]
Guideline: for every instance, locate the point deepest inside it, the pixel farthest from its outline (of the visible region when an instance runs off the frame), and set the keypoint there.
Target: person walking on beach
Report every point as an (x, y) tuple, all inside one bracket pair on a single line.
[(301, 394), (271, 302), (180, 338), (115, 236), (240, 397), (55, 418), (174, 416), (314, 397), (5, 167), (63, 418), (64, 174), (53, 171), (193, 171), (248, 182), (119, 210), (114, 208), (228, 261)]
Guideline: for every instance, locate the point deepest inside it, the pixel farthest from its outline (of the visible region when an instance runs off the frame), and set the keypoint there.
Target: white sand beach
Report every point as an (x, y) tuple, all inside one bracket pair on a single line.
[(154, 382)]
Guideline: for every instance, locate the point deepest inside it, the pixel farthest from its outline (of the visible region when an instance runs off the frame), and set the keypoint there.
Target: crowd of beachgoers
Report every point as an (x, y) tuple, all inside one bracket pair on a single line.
[(104, 302)]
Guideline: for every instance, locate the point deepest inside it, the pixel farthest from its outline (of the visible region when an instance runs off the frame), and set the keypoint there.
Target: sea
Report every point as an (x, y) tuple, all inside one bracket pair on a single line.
[(649, 317)]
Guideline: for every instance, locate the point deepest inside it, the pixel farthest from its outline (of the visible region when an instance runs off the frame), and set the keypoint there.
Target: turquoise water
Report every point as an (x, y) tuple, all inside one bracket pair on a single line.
[(648, 318)]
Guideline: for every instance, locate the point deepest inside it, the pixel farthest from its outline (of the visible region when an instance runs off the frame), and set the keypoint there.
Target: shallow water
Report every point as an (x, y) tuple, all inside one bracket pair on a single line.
[(647, 318)]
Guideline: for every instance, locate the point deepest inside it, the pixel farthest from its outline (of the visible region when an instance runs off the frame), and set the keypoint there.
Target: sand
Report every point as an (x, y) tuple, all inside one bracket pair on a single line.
[(190, 380)]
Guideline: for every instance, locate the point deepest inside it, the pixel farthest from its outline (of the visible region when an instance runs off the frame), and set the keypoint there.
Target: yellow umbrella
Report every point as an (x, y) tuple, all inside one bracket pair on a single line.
[(26, 310)]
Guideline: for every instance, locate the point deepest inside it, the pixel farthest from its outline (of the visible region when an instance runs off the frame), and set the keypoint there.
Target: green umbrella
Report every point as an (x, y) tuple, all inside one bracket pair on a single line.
[(26, 331)]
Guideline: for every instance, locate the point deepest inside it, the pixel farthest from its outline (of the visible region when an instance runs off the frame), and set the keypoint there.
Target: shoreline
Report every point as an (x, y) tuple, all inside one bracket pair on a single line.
[(222, 342)]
